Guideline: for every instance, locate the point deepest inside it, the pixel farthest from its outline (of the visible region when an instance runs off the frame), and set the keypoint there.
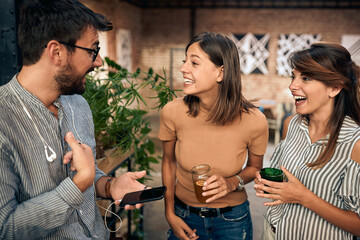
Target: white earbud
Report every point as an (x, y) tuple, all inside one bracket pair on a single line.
[(52, 156)]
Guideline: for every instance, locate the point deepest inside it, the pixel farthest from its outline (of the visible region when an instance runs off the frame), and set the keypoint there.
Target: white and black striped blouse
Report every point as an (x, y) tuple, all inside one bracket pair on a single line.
[(338, 182)]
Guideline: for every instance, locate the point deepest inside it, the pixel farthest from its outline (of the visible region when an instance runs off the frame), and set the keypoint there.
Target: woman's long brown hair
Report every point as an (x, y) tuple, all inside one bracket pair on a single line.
[(331, 64), (230, 102)]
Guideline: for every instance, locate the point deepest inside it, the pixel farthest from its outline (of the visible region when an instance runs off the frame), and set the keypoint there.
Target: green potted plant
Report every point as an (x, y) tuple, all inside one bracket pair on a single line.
[(119, 103)]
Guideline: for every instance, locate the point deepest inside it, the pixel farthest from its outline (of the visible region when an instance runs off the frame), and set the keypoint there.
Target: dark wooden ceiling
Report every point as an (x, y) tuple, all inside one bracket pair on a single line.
[(341, 4)]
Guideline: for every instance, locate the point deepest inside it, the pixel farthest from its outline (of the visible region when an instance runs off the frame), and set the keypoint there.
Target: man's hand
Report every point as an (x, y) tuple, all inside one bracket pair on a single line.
[(82, 161), (125, 183)]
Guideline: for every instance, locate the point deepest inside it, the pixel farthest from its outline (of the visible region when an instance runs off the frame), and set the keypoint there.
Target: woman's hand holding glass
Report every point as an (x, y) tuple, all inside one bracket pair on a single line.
[(292, 191), (217, 186)]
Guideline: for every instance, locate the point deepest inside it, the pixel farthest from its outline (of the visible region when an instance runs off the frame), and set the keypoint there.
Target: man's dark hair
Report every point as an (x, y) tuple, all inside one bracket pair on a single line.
[(63, 20)]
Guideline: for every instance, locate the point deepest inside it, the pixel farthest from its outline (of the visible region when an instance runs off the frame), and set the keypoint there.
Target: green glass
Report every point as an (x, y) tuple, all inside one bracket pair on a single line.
[(272, 174)]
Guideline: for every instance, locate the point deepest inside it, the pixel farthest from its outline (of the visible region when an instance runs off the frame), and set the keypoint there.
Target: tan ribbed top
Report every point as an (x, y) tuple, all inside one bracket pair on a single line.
[(224, 148)]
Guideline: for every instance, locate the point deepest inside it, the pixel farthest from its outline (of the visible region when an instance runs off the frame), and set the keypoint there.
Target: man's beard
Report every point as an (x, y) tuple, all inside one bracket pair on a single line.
[(69, 81)]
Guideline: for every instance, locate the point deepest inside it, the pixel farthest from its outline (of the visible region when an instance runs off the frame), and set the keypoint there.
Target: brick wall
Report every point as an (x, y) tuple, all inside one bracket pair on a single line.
[(330, 23), (158, 34), (123, 16)]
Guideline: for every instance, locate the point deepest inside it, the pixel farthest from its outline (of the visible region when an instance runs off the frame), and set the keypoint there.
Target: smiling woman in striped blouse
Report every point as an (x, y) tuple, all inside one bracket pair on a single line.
[(321, 152)]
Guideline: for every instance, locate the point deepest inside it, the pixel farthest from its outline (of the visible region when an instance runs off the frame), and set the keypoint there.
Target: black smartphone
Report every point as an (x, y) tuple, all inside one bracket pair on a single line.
[(146, 195)]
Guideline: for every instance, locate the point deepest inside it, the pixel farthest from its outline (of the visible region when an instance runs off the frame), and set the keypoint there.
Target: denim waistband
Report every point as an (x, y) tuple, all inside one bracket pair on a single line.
[(202, 212)]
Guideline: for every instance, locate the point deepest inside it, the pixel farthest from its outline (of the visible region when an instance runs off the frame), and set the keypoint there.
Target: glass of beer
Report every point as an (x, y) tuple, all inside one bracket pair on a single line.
[(200, 174)]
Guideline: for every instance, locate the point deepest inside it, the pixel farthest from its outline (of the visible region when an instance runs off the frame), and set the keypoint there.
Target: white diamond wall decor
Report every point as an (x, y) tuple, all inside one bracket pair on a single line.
[(253, 52), (288, 44)]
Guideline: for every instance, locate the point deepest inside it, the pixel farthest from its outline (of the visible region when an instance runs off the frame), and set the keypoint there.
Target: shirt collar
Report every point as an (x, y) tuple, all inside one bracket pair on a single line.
[(28, 97), (346, 131)]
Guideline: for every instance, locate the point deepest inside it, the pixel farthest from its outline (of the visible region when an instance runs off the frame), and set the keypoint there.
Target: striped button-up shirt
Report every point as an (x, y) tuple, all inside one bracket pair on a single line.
[(38, 198), (338, 182)]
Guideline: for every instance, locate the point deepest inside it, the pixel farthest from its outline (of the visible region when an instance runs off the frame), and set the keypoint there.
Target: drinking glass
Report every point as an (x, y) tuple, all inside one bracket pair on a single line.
[(272, 174), (200, 174)]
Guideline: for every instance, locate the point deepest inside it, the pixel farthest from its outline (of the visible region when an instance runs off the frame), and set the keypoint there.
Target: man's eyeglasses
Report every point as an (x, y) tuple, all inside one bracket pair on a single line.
[(95, 52)]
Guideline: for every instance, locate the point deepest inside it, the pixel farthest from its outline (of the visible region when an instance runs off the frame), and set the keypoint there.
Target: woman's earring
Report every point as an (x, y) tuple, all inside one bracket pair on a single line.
[(222, 72)]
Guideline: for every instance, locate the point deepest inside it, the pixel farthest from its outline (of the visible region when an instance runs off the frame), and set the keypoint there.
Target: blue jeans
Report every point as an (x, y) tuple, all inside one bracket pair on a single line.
[(233, 225)]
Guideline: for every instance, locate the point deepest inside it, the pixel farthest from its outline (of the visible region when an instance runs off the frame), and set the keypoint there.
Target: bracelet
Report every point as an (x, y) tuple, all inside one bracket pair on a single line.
[(107, 187), (241, 183)]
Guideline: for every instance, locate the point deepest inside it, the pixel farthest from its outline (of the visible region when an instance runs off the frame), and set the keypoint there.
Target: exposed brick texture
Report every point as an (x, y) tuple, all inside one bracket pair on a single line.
[(158, 33)]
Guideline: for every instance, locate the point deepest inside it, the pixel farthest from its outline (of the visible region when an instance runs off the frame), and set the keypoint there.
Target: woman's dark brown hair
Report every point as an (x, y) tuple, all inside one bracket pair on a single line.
[(230, 102), (331, 64)]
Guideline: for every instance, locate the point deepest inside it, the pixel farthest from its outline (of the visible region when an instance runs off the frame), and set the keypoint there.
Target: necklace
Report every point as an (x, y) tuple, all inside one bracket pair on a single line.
[(49, 152)]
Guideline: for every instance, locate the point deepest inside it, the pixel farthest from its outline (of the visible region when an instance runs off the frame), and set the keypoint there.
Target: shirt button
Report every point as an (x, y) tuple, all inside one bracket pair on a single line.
[(80, 211)]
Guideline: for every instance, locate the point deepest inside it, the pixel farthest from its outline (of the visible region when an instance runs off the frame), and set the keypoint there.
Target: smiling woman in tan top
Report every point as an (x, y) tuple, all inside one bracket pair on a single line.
[(215, 125)]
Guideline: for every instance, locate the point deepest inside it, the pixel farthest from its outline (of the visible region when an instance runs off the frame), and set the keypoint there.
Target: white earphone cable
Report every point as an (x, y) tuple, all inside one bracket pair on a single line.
[(108, 211), (50, 157)]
